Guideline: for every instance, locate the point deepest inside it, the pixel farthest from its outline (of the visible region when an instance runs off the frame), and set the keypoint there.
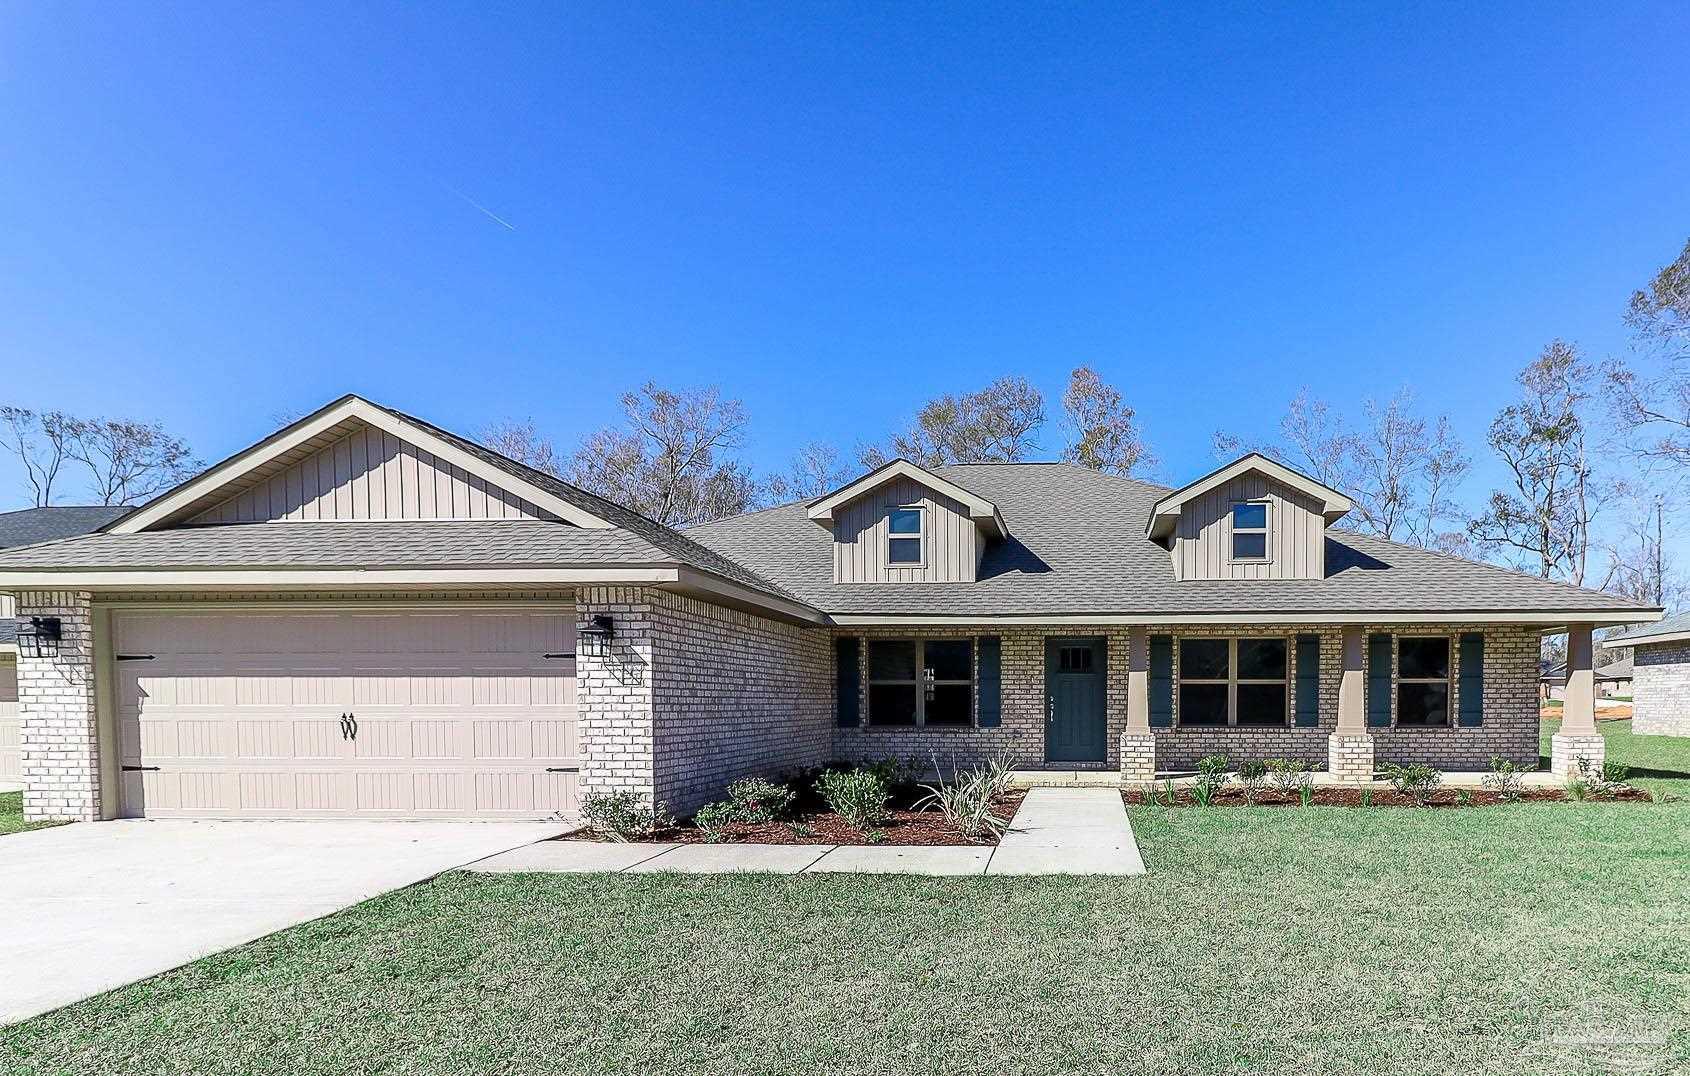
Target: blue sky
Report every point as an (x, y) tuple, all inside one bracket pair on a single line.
[(211, 215)]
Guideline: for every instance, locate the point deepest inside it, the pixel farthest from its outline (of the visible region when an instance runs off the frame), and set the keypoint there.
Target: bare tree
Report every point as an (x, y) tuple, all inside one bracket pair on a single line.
[(523, 442), (815, 470), (1655, 402), (1639, 566), (1400, 476), (1661, 309), (1545, 519), (1103, 436), (39, 442), (665, 461), (993, 425), (127, 461)]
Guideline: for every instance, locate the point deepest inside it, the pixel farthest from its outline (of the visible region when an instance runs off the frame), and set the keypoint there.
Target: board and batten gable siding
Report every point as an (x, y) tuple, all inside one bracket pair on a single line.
[(371, 475), (951, 543), (1202, 547)]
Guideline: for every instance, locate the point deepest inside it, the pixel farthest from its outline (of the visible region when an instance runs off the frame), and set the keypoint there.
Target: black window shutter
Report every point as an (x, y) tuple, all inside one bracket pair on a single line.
[(1472, 679), (1379, 681), (1161, 681), (847, 697), (990, 653), (1308, 681)]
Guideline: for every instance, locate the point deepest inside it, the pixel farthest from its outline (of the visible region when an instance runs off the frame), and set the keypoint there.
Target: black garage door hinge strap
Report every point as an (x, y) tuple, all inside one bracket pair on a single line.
[(148, 769), (563, 769), (570, 655), (134, 657)]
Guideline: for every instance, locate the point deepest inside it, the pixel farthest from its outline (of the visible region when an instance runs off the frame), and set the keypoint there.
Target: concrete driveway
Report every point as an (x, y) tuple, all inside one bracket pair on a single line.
[(96, 905)]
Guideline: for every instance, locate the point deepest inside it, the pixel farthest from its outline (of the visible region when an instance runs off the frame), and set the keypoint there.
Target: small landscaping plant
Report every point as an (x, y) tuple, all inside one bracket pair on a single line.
[(1293, 776), (1253, 776), (1211, 776), (714, 819), (1463, 797), (757, 800), (1506, 778), (1367, 796), (859, 795), (1608, 780), (1417, 781), (624, 815), (965, 801)]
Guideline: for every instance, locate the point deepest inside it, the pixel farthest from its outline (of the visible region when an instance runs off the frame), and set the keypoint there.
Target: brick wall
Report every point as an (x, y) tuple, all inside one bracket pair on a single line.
[(1510, 728), (59, 741), (1661, 690), (613, 693)]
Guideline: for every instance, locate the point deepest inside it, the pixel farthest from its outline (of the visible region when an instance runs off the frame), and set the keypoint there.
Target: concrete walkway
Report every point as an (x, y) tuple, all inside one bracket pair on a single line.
[(1056, 831), (97, 905)]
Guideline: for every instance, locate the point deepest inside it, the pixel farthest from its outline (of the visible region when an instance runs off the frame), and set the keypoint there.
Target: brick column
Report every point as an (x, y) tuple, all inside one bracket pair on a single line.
[(613, 693), (60, 745), (1578, 737), (1138, 743), (1349, 750)]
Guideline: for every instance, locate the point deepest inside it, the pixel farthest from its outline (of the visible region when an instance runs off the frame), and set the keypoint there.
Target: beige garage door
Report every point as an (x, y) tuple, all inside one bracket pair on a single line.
[(433, 713)]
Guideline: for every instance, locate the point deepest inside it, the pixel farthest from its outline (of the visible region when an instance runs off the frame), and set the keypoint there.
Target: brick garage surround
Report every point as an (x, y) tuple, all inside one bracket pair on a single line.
[(59, 742), (1660, 690), (1510, 726), (694, 695)]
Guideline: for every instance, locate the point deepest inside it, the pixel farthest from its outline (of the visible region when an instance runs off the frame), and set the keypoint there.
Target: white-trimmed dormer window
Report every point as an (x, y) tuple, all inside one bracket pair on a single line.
[(1250, 530), (903, 537)]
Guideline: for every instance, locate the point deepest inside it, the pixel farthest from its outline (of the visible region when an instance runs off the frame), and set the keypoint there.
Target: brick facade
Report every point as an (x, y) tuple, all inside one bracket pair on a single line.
[(1660, 690), (1510, 726), (59, 733)]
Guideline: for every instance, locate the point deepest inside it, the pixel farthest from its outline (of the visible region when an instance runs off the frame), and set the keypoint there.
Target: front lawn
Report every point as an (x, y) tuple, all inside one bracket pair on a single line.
[(11, 815), (1660, 764), (1298, 940)]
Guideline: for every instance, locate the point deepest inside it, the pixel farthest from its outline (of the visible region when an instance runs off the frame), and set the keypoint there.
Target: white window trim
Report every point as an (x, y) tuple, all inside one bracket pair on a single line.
[(1232, 680), (920, 682), (1265, 530), (920, 535), (1398, 680)]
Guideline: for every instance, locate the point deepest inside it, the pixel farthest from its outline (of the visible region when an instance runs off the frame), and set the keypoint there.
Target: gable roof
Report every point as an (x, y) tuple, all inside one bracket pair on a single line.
[(1078, 551), (1671, 630), (1164, 514), (983, 512), (27, 526)]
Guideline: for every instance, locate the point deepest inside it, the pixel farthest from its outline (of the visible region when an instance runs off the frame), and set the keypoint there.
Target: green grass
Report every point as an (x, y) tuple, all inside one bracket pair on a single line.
[(11, 815), (1660, 764), (1537, 937)]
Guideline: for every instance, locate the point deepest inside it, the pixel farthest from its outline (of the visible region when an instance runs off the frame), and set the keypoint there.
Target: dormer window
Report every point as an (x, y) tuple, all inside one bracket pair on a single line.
[(903, 537), (1250, 530)]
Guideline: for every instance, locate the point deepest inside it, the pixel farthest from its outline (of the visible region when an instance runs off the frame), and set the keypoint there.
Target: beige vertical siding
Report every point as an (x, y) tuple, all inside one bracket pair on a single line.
[(950, 540), (1296, 534), (371, 474)]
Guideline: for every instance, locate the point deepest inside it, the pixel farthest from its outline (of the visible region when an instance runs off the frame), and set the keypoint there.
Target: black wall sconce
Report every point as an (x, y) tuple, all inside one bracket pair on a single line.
[(595, 634), (40, 637)]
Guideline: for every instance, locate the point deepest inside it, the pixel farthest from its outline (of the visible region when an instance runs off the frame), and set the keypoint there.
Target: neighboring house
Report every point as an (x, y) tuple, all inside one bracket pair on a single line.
[(364, 615), (1613, 680), (1660, 668), (28, 526)]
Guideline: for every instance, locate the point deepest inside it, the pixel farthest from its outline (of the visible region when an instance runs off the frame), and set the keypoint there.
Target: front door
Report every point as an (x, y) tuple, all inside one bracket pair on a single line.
[(1074, 700)]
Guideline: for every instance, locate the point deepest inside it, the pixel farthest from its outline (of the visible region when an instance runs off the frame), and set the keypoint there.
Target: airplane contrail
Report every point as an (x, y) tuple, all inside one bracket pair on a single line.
[(488, 213)]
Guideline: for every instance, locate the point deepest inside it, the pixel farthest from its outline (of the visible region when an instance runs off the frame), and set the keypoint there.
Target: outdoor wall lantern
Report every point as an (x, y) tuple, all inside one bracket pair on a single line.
[(596, 633), (40, 637)]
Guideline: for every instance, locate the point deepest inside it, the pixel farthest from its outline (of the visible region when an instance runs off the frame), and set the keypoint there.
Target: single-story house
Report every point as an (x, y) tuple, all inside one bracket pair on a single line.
[(1660, 667), (28, 526), (1613, 680), (364, 615)]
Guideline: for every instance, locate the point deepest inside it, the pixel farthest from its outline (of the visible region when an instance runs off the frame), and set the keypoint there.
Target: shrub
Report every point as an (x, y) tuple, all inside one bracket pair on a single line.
[(966, 802), (624, 815), (893, 773), (713, 820), (1416, 780), (1506, 778), (1211, 775), (1609, 780), (1000, 770), (1253, 775), (755, 800), (1294, 776), (859, 796)]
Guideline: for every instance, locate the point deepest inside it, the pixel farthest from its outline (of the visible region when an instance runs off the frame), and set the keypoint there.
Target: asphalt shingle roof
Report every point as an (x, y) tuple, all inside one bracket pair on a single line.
[(1672, 625), (1077, 546), (28, 526)]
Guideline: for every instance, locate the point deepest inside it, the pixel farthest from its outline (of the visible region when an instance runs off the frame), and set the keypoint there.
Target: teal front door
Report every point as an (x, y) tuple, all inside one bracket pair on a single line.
[(1075, 725)]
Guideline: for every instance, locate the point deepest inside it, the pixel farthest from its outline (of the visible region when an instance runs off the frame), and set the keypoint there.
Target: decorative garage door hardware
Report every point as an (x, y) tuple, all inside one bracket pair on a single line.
[(140, 769), (563, 769), (569, 655), (134, 657), (348, 727)]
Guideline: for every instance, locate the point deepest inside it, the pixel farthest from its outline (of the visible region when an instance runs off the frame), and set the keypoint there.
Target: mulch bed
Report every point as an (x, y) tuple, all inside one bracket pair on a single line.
[(1382, 797), (821, 826)]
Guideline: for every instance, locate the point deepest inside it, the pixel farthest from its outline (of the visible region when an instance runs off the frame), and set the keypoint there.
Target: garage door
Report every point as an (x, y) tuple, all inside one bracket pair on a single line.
[(434, 713)]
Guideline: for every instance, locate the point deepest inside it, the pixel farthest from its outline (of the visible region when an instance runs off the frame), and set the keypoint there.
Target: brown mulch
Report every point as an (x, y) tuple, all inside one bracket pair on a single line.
[(1382, 797), (901, 827)]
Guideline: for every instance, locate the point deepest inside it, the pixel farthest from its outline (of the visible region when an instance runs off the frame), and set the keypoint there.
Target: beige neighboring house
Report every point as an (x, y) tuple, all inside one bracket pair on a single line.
[(1613, 680), (28, 526), (364, 615), (1660, 671)]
